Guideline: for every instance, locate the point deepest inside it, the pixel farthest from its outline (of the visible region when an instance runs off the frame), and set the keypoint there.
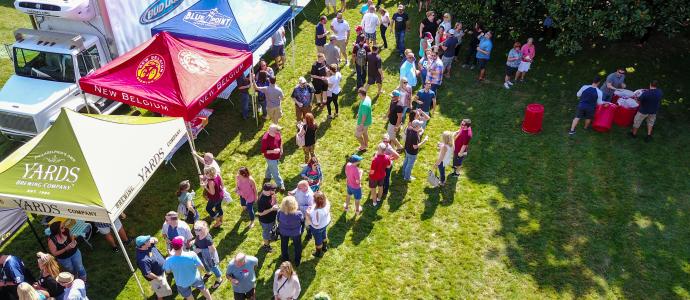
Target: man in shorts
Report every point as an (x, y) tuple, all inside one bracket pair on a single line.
[(341, 29), (484, 54), (395, 117), (105, 230), (278, 40), (377, 173), (370, 21), (274, 97), (332, 52), (320, 34), (363, 120), (353, 175), (150, 262), (374, 69), (185, 266), (590, 96), (449, 51), (650, 100), (461, 144)]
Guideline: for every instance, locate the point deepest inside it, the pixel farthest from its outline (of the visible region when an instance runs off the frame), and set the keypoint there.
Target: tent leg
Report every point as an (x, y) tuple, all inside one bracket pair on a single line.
[(86, 102), (292, 37), (190, 137), (129, 262), (255, 103), (33, 230)]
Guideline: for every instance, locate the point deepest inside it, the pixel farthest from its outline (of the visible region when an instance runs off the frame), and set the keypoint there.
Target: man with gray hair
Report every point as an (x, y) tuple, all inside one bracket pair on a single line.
[(242, 275), (305, 201), (272, 149), (332, 51)]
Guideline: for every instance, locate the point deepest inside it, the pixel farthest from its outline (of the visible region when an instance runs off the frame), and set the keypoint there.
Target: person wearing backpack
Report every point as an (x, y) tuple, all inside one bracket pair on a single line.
[(359, 56)]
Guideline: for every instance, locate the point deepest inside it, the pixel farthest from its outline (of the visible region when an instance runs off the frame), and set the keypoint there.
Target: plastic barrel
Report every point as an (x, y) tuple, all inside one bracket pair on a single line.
[(624, 116), (603, 117), (534, 115)]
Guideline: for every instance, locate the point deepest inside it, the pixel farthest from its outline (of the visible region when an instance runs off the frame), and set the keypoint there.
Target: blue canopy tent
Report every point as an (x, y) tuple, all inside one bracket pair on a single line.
[(238, 24)]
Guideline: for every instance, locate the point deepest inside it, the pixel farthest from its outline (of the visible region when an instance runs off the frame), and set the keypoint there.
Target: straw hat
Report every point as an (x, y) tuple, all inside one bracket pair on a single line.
[(65, 278)]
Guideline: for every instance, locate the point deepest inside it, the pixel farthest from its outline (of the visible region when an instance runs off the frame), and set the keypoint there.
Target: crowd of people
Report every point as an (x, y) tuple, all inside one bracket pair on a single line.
[(192, 256)]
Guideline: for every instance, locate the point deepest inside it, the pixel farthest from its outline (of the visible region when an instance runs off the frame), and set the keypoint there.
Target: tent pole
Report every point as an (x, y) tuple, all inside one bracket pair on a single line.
[(124, 252), (33, 230), (86, 102), (292, 36), (190, 137)]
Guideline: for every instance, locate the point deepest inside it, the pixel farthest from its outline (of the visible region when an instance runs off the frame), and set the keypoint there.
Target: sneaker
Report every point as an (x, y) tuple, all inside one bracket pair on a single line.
[(648, 139), (471, 67), (454, 174), (630, 134), (571, 132), (412, 178), (207, 276), (374, 203), (346, 207), (505, 85), (464, 66), (510, 83), (318, 253)]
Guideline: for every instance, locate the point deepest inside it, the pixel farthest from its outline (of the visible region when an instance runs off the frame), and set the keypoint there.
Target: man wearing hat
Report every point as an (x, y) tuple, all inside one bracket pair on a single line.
[(75, 289), (302, 95), (413, 142), (272, 149), (353, 175), (332, 51), (449, 51), (150, 262), (185, 266), (395, 117)]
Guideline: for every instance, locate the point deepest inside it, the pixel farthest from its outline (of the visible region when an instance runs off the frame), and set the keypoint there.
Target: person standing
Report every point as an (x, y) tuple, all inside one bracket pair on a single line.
[(426, 99), (375, 69), (267, 209), (312, 174), (359, 55), (332, 51), (302, 95), (434, 71), (310, 128), (650, 101), (393, 154), (208, 160), (107, 232), (320, 34), (185, 266), (214, 193), (319, 80), (63, 245), (334, 79), (475, 36), (273, 96), (445, 155), (246, 190), (512, 64), (459, 34), (614, 81), (48, 273), (449, 51), (429, 24), (75, 289), (527, 53), (353, 175), (278, 41), (272, 149), (173, 228), (285, 283), (204, 248), (150, 261), (185, 206), (330, 4), (363, 120), (413, 142), (377, 173), (405, 100), (319, 217), (369, 22), (341, 29), (243, 85), (395, 116), (13, 273), (408, 70), (385, 23), (305, 201), (290, 221), (590, 96), (402, 23), (425, 44), (484, 54)]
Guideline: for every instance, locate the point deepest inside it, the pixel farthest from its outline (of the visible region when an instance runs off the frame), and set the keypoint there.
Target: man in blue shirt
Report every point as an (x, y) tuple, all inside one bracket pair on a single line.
[(484, 53), (150, 262), (590, 96), (242, 274), (12, 274), (650, 100), (185, 266), (426, 99)]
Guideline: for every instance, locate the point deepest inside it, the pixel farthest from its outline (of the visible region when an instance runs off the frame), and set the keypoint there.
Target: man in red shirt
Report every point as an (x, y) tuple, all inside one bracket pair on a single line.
[(462, 141), (272, 149), (377, 173)]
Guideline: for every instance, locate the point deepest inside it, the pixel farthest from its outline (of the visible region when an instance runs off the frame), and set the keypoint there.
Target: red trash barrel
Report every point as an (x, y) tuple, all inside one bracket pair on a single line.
[(624, 116), (534, 115), (603, 117)]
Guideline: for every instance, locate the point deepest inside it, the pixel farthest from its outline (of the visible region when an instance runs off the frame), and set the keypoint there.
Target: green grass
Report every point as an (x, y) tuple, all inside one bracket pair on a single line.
[(544, 216)]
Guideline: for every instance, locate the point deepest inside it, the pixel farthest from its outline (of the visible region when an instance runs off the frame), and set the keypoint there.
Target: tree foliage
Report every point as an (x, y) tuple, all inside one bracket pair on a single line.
[(579, 23)]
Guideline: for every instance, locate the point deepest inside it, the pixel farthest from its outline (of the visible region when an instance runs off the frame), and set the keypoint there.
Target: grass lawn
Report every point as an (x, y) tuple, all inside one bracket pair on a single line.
[(597, 215)]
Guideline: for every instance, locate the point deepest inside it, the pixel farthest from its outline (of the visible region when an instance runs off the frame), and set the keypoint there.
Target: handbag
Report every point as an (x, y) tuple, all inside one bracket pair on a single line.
[(274, 234), (432, 179), (300, 137)]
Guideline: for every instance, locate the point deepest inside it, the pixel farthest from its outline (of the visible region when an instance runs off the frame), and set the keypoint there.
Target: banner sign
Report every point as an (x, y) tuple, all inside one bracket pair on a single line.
[(10, 221)]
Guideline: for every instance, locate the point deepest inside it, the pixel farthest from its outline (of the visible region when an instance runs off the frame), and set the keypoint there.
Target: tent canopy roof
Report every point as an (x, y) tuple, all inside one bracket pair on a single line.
[(239, 24), (168, 75)]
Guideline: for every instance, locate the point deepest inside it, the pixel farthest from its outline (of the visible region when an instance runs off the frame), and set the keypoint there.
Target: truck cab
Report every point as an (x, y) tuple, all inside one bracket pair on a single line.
[(47, 67)]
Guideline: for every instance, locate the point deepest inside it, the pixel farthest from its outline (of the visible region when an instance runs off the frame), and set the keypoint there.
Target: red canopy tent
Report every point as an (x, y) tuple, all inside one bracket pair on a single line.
[(168, 75)]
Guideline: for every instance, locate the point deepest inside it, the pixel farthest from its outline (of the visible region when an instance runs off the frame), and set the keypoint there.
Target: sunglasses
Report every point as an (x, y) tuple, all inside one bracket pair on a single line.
[(197, 229), (173, 218)]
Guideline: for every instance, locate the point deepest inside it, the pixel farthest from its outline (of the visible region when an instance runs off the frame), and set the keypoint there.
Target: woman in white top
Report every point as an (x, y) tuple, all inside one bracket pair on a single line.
[(285, 283), (445, 154), (405, 96), (319, 217), (334, 78), (385, 22)]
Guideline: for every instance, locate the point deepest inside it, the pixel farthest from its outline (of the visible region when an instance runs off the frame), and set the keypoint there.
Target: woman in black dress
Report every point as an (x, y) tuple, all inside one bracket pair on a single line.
[(319, 79)]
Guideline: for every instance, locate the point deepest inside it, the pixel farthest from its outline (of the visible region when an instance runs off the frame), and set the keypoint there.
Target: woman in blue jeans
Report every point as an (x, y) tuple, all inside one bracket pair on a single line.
[(63, 245), (214, 193), (290, 228), (319, 218), (207, 252)]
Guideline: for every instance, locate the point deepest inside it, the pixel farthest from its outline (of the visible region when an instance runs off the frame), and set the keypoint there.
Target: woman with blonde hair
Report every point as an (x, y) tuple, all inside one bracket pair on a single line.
[(26, 292), (290, 227), (49, 270), (445, 154), (207, 252), (319, 218), (286, 283), (214, 193)]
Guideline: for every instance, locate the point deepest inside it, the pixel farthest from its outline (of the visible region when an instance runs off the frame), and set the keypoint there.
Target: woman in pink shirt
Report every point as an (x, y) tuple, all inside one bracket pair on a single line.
[(354, 182), (528, 53), (246, 189)]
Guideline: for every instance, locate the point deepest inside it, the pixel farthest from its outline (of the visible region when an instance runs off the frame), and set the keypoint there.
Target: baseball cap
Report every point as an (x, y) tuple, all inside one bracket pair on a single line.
[(141, 240), (417, 123), (359, 28), (355, 158), (451, 31), (395, 93), (177, 242)]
